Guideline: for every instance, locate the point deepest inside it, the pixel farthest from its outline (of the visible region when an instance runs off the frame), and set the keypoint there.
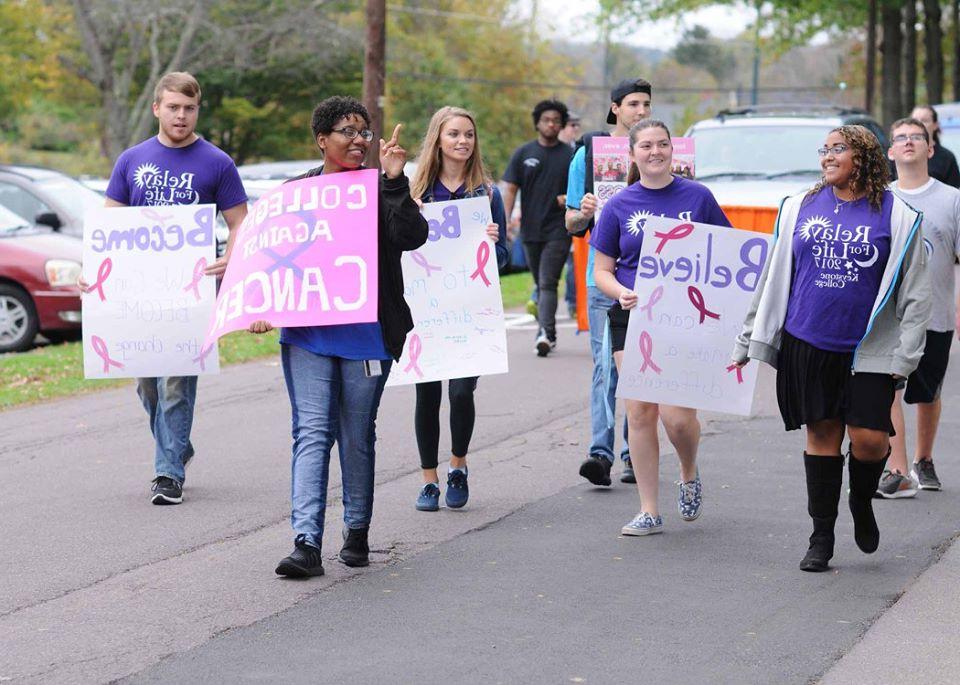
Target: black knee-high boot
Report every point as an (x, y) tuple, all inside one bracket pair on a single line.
[(864, 478), (824, 479)]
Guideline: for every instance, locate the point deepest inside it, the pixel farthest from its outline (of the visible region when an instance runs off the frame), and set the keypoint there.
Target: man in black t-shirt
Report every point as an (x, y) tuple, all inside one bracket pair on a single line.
[(943, 165), (539, 170)]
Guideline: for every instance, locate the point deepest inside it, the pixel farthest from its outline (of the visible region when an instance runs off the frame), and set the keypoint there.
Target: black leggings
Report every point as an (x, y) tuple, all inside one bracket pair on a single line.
[(427, 418)]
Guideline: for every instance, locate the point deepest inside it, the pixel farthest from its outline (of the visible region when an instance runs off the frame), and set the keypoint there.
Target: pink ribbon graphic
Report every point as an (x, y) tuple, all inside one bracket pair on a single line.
[(483, 256), (654, 298), (675, 233), (422, 261), (157, 216), (696, 299), (202, 357), (198, 275), (646, 349), (100, 348), (106, 266), (739, 370), (414, 349)]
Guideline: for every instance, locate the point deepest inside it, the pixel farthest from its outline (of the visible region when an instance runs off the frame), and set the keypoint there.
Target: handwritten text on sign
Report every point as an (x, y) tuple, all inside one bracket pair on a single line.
[(453, 289), (147, 305), (306, 255), (694, 284)]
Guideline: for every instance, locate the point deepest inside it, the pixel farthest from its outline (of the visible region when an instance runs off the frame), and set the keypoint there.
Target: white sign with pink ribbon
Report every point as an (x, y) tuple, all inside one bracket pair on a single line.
[(453, 288), (148, 304), (306, 255), (695, 283)]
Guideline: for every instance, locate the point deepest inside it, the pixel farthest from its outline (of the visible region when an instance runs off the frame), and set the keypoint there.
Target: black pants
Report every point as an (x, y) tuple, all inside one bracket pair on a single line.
[(546, 262), (427, 418)]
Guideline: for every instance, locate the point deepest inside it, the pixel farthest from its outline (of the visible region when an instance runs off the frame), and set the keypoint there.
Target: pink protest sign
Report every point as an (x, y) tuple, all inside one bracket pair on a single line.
[(306, 255)]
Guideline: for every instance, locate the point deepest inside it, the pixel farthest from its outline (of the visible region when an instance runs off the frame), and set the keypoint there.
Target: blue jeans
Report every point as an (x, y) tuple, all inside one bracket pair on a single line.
[(602, 440), (332, 400), (169, 402)]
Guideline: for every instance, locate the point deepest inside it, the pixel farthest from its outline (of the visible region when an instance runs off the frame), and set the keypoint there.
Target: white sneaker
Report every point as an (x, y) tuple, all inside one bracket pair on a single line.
[(543, 345)]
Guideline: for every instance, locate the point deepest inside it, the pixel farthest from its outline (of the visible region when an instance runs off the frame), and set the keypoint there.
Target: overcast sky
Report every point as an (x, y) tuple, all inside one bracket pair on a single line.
[(574, 17)]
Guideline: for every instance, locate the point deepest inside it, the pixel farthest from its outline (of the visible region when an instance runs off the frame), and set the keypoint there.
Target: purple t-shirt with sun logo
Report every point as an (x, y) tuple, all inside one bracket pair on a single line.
[(619, 232), (840, 250), (152, 174)]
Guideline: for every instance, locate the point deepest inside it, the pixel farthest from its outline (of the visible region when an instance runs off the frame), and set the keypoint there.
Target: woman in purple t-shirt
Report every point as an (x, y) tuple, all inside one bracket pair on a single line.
[(838, 313), (617, 239)]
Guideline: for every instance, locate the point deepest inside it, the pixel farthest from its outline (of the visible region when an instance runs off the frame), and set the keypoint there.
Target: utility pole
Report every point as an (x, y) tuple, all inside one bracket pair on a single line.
[(756, 59), (871, 56), (374, 73)]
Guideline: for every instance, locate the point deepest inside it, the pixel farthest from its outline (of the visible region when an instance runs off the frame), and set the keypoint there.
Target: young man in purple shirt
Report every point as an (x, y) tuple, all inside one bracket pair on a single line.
[(176, 167)]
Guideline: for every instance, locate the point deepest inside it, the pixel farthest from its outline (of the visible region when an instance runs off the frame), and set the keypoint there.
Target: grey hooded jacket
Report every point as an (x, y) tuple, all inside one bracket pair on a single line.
[(896, 331)]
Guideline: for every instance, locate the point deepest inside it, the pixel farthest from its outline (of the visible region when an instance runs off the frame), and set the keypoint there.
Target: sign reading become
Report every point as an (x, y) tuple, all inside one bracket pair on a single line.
[(306, 255), (146, 309), (694, 285)]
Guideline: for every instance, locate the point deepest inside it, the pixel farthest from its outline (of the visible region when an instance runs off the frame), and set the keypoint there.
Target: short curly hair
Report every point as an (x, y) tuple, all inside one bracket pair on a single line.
[(333, 109), (871, 173), (546, 106)]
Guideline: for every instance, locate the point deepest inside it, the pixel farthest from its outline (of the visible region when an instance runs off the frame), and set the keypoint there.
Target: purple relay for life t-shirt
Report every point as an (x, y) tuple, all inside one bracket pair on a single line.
[(838, 263), (151, 174), (619, 233)]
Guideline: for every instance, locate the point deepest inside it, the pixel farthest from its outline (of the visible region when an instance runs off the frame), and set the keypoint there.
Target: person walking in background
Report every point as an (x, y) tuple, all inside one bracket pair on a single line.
[(618, 238), (571, 132), (841, 312), (910, 148), (451, 168), (205, 175), (942, 164), (538, 170), (629, 103)]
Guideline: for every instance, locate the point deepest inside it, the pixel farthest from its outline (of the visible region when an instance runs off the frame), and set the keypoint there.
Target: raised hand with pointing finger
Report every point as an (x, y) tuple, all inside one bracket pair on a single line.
[(392, 156)]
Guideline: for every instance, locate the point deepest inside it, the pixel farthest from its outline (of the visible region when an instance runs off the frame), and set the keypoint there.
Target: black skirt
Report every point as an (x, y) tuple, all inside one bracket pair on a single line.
[(814, 385)]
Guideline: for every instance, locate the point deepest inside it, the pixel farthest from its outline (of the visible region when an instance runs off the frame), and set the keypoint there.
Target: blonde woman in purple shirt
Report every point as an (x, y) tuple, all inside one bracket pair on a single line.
[(841, 313), (617, 238)]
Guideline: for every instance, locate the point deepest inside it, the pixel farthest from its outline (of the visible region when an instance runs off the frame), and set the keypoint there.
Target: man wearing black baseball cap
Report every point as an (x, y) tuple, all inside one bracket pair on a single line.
[(629, 103)]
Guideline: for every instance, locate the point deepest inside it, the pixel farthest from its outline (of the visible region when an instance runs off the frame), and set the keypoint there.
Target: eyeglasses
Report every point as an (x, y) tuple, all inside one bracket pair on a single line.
[(349, 132), (837, 149), (914, 137)]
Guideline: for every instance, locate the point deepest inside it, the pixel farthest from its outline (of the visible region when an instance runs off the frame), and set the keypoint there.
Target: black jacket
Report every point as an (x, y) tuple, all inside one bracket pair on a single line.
[(400, 228)]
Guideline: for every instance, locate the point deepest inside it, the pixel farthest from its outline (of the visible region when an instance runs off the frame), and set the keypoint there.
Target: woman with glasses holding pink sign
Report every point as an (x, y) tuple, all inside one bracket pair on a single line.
[(450, 167), (841, 313), (618, 237), (335, 374)]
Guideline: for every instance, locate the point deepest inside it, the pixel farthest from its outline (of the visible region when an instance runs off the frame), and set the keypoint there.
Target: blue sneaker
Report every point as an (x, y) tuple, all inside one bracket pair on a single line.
[(429, 498), (690, 499), (457, 490), (643, 524)]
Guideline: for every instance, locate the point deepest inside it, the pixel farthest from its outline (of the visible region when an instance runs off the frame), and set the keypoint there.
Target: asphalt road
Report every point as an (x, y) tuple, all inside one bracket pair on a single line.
[(531, 583)]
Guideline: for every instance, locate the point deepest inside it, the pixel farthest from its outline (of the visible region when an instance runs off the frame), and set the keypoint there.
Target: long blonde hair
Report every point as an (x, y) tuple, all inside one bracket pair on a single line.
[(430, 159)]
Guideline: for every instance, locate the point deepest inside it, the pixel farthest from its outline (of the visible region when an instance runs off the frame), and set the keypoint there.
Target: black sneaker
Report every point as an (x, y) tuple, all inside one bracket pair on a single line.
[(627, 475), (596, 469), (924, 473), (305, 560), (166, 491), (355, 551)]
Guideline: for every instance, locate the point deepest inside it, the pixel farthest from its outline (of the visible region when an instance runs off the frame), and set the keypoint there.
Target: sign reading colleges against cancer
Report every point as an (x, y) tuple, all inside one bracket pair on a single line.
[(306, 255), (148, 303), (452, 286), (694, 286)]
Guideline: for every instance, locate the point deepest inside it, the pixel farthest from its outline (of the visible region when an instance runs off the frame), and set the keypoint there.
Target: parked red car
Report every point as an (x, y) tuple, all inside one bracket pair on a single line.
[(38, 276)]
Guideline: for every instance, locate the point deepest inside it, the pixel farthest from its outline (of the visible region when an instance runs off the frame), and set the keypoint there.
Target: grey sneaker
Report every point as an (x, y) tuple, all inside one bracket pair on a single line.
[(543, 345), (643, 524), (690, 499), (895, 485), (924, 473), (627, 475)]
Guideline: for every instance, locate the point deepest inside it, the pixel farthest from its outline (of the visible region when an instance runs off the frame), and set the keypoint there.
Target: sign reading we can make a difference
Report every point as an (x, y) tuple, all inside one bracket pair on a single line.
[(694, 285), (306, 255), (148, 303), (452, 286)]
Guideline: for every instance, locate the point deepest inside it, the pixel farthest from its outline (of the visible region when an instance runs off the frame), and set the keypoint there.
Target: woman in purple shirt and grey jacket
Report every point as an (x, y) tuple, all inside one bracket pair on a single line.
[(841, 313)]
